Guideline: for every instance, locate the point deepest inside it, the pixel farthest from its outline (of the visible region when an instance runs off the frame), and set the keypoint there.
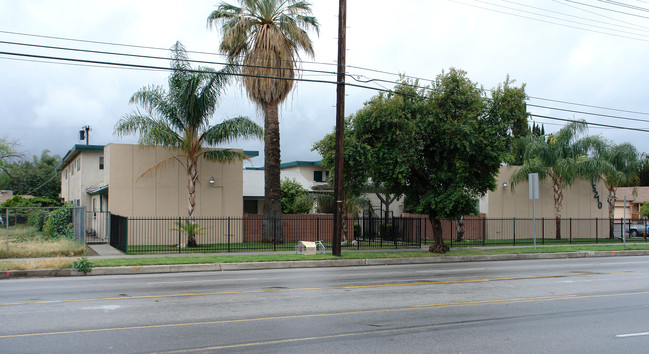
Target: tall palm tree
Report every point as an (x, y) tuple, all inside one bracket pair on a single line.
[(179, 119), (559, 157), (264, 37), (616, 166)]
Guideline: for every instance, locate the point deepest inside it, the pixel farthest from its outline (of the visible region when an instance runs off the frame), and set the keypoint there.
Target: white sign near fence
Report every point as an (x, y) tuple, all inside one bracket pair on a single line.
[(533, 179)]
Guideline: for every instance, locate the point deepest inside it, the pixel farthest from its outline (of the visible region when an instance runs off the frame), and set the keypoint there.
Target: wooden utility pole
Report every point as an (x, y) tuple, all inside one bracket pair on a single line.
[(340, 130)]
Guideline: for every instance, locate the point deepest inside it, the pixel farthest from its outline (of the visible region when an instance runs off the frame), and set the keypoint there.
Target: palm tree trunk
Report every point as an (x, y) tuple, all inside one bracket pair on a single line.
[(438, 236), (272, 226), (611, 213), (558, 199), (192, 176)]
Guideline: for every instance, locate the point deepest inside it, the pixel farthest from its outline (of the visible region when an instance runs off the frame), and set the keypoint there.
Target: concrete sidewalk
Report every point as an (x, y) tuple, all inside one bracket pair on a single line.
[(104, 252)]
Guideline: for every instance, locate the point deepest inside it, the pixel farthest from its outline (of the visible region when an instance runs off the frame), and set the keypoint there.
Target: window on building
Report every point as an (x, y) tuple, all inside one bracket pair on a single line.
[(101, 162), (74, 163), (317, 176), (250, 206), (78, 164)]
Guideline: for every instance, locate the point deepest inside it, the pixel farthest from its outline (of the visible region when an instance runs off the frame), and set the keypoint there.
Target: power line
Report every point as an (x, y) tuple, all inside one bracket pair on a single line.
[(147, 56), (105, 64), (587, 105), (634, 27), (598, 14), (589, 113), (591, 123), (628, 6), (139, 46), (606, 9), (149, 67), (355, 77), (553, 17), (550, 22)]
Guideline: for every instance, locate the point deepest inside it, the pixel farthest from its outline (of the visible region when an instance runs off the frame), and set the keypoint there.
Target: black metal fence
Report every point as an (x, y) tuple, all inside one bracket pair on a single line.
[(516, 231), (142, 235)]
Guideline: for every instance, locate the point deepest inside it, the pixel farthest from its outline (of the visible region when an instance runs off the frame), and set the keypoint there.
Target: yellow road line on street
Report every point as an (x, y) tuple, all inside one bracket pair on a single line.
[(434, 282), (409, 308)]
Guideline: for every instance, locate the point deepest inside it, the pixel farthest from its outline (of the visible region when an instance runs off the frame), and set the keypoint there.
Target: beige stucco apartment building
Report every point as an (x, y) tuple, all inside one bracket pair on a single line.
[(579, 200), (112, 178), (309, 174)]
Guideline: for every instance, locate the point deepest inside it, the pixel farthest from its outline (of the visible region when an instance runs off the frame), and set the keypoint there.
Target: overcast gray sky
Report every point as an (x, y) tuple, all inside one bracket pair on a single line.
[(582, 52)]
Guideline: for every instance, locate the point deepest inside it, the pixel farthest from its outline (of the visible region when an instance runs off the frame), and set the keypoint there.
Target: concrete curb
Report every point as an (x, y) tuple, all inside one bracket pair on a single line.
[(211, 267)]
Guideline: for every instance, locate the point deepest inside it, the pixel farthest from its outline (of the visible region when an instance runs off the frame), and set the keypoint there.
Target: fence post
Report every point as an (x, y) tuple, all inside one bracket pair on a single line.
[(644, 232), (514, 231), (229, 234), (622, 229), (484, 231), (421, 222), (179, 234), (596, 231), (570, 227), (7, 226), (394, 235), (543, 231)]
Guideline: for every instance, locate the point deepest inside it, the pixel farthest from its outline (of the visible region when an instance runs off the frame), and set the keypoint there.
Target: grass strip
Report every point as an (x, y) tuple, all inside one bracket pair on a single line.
[(62, 263)]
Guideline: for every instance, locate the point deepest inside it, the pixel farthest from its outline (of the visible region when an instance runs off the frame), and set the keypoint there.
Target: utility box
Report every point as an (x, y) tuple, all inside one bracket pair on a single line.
[(305, 247)]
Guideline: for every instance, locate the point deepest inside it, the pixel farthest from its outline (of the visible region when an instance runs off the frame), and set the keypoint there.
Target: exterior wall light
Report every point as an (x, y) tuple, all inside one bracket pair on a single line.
[(212, 181), (504, 184)]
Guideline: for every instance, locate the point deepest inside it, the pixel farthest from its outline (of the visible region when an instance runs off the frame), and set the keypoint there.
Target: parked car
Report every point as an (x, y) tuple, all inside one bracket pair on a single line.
[(637, 230)]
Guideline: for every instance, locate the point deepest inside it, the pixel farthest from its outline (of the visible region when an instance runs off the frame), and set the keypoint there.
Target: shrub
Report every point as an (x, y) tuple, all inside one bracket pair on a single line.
[(644, 210), (36, 218), (387, 232), (59, 224), (357, 230), (83, 265), (18, 201), (294, 199)]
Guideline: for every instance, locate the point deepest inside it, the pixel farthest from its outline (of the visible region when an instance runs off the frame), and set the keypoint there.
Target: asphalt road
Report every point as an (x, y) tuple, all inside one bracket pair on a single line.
[(591, 305)]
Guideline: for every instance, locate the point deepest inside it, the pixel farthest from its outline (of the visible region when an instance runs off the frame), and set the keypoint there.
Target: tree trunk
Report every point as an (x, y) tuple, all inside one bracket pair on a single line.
[(192, 176), (272, 226), (611, 213), (438, 246), (459, 230), (558, 199), (344, 222)]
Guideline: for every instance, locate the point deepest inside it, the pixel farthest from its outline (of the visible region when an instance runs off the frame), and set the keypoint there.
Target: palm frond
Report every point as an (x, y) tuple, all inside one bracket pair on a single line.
[(158, 167), (232, 129), (224, 156)]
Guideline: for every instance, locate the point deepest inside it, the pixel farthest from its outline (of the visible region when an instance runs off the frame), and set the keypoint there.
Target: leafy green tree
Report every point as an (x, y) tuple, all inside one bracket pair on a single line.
[(265, 37), (18, 201), (8, 153), (519, 143), (293, 198), (356, 160), (441, 147), (179, 119), (359, 161), (615, 165), (643, 172), (38, 177), (644, 210), (559, 157)]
